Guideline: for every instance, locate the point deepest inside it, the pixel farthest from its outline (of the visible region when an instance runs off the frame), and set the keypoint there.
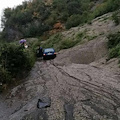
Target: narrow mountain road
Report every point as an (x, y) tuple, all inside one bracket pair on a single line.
[(76, 92)]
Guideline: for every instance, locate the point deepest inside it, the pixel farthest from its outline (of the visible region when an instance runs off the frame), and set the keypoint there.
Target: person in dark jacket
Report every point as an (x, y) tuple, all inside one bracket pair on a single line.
[(39, 52)]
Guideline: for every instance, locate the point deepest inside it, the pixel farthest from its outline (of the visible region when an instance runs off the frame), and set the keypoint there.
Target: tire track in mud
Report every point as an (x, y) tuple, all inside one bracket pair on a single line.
[(95, 90), (67, 106), (96, 87)]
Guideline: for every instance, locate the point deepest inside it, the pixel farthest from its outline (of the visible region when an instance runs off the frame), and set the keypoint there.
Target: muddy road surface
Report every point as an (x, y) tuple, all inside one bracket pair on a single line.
[(75, 92)]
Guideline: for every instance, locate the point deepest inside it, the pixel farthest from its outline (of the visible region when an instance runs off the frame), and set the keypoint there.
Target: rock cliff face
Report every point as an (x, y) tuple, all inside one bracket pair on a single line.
[(79, 83)]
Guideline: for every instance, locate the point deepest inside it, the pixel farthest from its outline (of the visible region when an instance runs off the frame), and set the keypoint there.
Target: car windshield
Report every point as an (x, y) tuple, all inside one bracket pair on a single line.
[(49, 50)]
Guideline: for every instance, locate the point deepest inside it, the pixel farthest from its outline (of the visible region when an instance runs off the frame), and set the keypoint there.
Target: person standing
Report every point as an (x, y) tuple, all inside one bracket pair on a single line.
[(39, 52)]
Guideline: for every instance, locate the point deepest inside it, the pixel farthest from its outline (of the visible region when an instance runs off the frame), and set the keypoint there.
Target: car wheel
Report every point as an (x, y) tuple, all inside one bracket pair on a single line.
[(44, 58)]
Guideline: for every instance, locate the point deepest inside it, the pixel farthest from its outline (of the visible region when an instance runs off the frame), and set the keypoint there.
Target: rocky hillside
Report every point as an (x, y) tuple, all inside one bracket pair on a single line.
[(98, 29), (79, 84), (36, 17)]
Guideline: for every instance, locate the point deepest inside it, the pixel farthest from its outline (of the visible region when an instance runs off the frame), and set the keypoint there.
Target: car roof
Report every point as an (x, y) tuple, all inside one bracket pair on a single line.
[(49, 49)]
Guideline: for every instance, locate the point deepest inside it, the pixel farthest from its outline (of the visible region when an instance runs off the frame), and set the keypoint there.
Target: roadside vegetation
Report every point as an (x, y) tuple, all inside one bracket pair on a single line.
[(116, 17), (15, 63), (114, 45), (59, 42)]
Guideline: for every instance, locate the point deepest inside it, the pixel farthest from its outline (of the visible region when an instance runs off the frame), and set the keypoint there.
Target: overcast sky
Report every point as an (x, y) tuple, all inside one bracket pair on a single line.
[(8, 3)]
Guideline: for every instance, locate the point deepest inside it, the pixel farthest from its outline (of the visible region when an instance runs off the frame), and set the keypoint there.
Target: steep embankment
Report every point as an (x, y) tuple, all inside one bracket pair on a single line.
[(93, 44), (79, 82)]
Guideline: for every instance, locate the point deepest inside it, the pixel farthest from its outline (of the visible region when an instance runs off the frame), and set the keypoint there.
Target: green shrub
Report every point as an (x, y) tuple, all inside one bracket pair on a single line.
[(88, 37), (80, 35), (14, 61), (114, 52), (68, 43), (53, 41), (105, 7), (116, 18), (114, 45), (73, 21), (114, 40), (5, 76)]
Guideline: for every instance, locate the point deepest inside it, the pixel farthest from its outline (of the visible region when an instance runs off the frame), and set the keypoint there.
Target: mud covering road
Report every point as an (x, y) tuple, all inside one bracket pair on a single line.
[(76, 91)]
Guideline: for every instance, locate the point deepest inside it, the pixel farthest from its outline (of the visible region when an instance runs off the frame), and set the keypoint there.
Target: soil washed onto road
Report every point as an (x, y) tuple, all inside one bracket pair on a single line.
[(76, 92)]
